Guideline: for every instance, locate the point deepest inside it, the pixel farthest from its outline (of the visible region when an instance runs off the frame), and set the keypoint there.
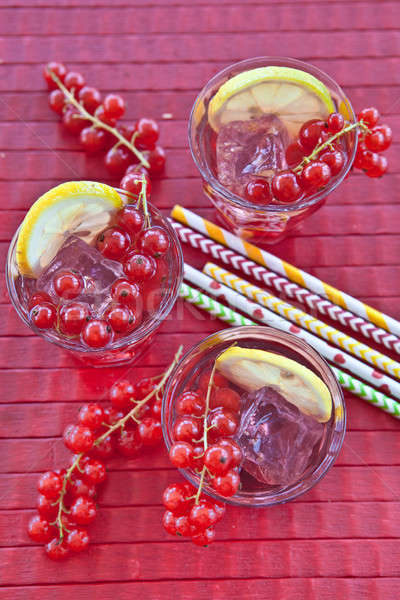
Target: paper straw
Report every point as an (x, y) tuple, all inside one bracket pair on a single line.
[(348, 382), (283, 285), (340, 358), (298, 316), (283, 268)]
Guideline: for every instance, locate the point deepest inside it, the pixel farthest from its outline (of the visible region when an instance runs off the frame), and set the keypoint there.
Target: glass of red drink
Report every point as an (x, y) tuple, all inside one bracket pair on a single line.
[(105, 288), (244, 129), (285, 451)]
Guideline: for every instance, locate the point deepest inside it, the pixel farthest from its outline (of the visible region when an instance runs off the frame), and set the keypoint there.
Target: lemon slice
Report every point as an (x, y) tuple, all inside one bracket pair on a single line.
[(293, 95), (252, 369), (82, 208)]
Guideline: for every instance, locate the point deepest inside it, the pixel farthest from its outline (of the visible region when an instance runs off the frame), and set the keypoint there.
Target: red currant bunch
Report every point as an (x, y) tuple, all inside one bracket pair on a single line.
[(67, 497), (207, 419), (372, 140)]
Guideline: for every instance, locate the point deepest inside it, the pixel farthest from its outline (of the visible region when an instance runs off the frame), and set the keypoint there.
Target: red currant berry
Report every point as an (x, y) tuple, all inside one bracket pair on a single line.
[(285, 187), (379, 169), (153, 241), (183, 526), (104, 449), (112, 415), (226, 485), (186, 429), (40, 530), (122, 394), (130, 218), (133, 184), (74, 81), (139, 267), (310, 132), (73, 317), (218, 380), (125, 293), (91, 415), (117, 160), (58, 69), (217, 459), (203, 515), (50, 485), (367, 160), (181, 455), (204, 538), (147, 134), (335, 122), (156, 410), (78, 540), (169, 522), (100, 114), (43, 316), (190, 403), (57, 550), (156, 160), (90, 97), (128, 442), (113, 243), (198, 457), (83, 510), (223, 422), (175, 499), (137, 169), (315, 175), (68, 285), (80, 487), (93, 140), (370, 116), (94, 471), (150, 431), (97, 333), (219, 509), (78, 438), (335, 160), (39, 298), (57, 101), (73, 122), (379, 138), (225, 398), (114, 106), (121, 318), (294, 154), (234, 449), (144, 387), (46, 508), (258, 192)]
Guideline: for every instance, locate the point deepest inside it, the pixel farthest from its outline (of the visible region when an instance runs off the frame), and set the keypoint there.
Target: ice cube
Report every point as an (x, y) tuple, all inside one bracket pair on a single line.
[(250, 149), (277, 440), (98, 272)]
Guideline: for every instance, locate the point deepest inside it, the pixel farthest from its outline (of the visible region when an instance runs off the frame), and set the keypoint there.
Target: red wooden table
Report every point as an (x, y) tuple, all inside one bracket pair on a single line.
[(339, 540)]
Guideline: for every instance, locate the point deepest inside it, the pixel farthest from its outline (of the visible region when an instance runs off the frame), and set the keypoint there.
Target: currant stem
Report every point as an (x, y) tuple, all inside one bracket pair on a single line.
[(60, 501), (328, 143), (99, 124), (131, 414), (205, 437)]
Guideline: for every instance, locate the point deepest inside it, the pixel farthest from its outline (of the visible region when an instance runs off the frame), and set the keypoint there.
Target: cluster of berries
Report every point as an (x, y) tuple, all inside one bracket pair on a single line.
[(142, 250), (66, 504), (207, 418), (320, 154), (130, 149)]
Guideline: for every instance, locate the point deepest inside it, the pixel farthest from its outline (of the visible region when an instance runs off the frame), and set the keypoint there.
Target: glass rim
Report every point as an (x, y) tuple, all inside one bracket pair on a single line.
[(271, 208), (142, 332), (311, 478)]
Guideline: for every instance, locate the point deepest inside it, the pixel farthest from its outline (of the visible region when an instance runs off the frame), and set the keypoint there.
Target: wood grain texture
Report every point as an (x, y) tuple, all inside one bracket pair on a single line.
[(341, 539)]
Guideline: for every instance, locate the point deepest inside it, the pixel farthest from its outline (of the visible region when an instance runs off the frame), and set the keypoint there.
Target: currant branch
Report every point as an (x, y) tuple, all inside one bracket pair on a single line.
[(84, 114), (205, 435)]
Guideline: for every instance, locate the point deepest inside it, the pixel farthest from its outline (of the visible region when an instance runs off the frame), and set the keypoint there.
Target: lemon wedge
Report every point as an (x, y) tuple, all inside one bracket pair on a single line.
[(293, 95), (82, 208), (252, 369)]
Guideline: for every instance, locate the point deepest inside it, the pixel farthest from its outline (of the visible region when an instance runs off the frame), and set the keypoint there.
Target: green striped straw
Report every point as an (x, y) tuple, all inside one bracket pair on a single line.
[(233, 318)]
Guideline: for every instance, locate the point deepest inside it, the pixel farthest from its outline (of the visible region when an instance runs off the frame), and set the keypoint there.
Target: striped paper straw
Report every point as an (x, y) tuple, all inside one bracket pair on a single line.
[(340, 358), (278, 265), (283, 285), (298, 316), (235, 319)]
